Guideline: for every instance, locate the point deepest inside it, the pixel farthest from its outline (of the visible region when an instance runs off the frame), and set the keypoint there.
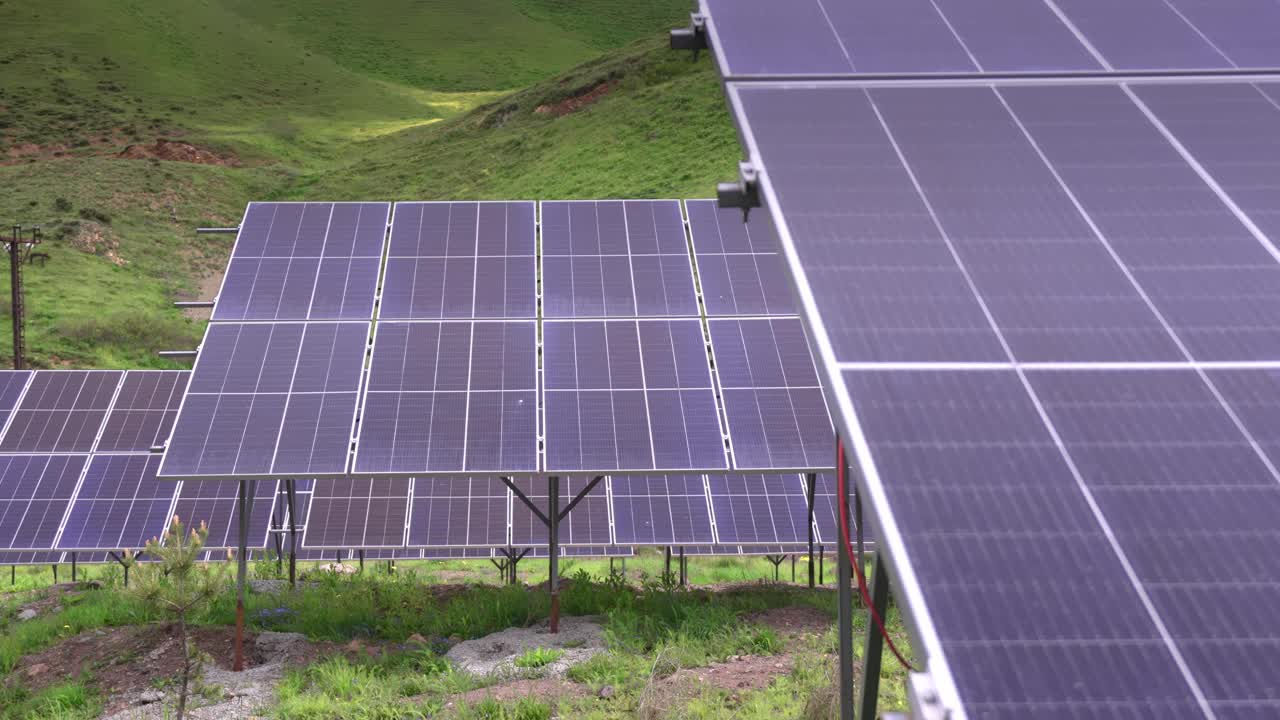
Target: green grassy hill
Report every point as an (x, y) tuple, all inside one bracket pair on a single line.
[(393, 99)]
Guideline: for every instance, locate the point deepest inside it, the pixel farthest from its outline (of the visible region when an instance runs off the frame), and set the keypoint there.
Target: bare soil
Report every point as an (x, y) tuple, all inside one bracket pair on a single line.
[(124, 660), (792, 623), (177, 151), (745, 673), (576, 102), (541, 688)]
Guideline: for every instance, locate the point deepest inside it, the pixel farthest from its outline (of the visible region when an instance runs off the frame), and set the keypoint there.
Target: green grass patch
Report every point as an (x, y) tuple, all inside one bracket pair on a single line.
[(92, 609), (400, 686), (65, 701), (538, 657)]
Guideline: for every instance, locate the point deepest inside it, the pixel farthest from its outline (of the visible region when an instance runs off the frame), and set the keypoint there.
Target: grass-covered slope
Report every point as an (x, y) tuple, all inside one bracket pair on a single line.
[(329, 99)]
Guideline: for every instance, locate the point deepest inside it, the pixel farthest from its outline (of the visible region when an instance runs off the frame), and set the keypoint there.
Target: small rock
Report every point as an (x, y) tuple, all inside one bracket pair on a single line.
[(606, 692), (56, 609), (150, 696), (355, 646), (27, 614), (36, 669), (416, 639)]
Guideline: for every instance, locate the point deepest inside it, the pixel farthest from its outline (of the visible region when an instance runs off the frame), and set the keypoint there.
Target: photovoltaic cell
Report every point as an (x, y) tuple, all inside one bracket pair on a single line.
[(660, 510), (358, 513), (456, 553), (1182, 485), (759, 509), (35, 491), (629, 396), (145, 408), (616, 259), (215, 504), (458, 512), (269, 399), (588, 524), (451, 397), (922, 37), (30, 558), (120, 505), (772, 399), (12, 383), (61, 412), (304, 261), (1220, 297), (739, 268), (959, 447), (461, 260)]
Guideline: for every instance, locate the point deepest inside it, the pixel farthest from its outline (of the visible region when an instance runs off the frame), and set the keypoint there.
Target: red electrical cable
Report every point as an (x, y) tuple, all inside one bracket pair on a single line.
[(857, 566)]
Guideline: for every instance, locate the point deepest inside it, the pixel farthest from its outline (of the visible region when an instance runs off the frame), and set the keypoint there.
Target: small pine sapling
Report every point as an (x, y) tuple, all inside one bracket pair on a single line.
[(178, 584)]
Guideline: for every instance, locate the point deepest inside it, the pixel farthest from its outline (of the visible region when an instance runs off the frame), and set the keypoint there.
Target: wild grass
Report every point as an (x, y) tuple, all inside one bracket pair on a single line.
[(72, 700), (87, 611), (396, 686), (538, 657)]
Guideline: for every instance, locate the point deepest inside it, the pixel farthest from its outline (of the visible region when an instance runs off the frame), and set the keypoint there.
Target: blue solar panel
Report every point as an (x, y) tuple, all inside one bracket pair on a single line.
[(923, 37), (588, 524), (629, 396), (62, 411), (215, 504), (459, 512), (739, 269), (616, 259), (304, 261), (144, 410), (35, 491), (759, 508), (120, 504), (269, 399), (30, 558), (358, 513), (12, 383), (461, 260), (773, 402), (660, 510), (451, 397)]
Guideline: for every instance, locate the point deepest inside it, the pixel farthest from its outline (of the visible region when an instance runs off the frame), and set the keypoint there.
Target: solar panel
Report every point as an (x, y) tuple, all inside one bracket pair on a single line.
[(144, 410), (585, 551), (120, 504), (30, 558), (759, 509), (456, 553), (607, 384), (62, 411), (587, 524), (269, 399), (35, 491), (816, 39), (451, 397), (304, 261), (616, 259), (459, 512), (461, 260), (12, 383), (773, 402), (1029, 308), (358, 513), (215, 504), (660, 510), (739, 269)]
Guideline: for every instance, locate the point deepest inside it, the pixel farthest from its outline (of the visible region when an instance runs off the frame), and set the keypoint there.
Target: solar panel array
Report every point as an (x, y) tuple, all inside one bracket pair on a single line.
[(1046, 312), (622, 510), (823, 40)]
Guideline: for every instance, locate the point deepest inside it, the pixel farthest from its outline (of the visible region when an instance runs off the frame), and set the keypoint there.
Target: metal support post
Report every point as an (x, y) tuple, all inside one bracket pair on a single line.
[(553, 547), (810, 482), (13, 575), (360, 552), (55, 573), (822, 562), (244, 504), (290, 494), (666, 563), (857, 528), (684, 568), (875, 641), (793, 567), (73, 568), (845, 611)]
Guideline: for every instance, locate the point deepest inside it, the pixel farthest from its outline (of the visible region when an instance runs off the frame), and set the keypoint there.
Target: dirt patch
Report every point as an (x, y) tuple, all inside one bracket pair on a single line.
[(49, 599), (745, 673), (494, 655), (177, 151), (124, 660), (578, 101), (543, 689), (96, 239), (792, 622)]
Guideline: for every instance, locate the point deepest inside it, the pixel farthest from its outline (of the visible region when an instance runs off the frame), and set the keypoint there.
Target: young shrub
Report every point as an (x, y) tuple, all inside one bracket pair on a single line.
[(177, 585)]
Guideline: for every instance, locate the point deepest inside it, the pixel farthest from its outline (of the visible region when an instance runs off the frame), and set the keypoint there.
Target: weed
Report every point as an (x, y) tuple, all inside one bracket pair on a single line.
[(62, 205), (538, 657), (88, 213), (65, 701)]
